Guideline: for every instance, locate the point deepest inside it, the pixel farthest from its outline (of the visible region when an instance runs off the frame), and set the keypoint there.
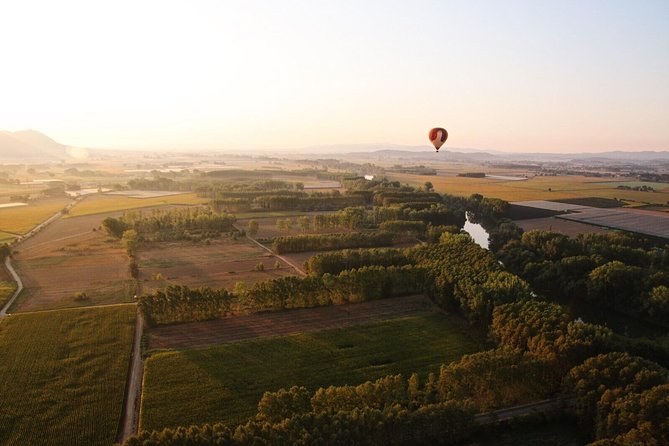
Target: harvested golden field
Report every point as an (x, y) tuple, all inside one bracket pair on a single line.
[(101, 203), (19, 220), (221, 264), (535, 188), (68, 257)]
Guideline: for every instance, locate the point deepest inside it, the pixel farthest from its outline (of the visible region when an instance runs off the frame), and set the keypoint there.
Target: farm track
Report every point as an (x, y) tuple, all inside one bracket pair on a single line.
[(201, 334), (285, 260), (133, 393)]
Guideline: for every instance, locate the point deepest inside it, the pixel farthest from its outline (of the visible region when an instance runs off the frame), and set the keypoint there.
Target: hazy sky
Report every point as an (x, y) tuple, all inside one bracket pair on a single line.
[(509, 75)]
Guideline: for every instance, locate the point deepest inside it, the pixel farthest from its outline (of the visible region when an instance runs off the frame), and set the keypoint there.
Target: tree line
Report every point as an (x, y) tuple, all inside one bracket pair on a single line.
[(296, 417), (177, 304), (337, 261), (324, 242), (174, 224)]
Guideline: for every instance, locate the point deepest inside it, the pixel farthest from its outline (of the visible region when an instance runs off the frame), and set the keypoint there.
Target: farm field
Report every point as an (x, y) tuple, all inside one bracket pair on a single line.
[(200, 334), (221, 264), (653, 184), (69, 257), (97, 204), (6, 190), (224, 383), (566, 227), (63, 375), (19, 220), (536, 188)]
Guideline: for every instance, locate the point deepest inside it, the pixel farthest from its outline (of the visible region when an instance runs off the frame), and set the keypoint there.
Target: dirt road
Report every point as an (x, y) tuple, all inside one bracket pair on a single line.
[(130, 416)]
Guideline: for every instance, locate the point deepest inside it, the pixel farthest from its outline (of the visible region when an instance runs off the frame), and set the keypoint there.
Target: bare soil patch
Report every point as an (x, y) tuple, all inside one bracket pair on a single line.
[(199, 334), (221, 264), (566, 227)]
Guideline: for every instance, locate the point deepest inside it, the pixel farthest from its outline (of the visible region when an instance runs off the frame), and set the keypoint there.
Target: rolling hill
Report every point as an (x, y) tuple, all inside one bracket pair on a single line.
[(30, 144)]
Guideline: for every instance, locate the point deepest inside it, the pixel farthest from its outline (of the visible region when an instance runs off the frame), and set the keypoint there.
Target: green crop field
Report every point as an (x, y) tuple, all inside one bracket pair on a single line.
[(654, 185), (6, 291), (99, 204), (224, 383), (63, 375), (19, 220)]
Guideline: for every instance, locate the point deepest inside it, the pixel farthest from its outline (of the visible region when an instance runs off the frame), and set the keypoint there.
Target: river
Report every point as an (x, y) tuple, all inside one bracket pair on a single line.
[(477, 233)]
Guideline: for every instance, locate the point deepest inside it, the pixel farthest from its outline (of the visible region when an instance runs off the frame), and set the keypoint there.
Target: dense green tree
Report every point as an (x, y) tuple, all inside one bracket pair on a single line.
[(647, 411), (615, 285), (114, 226), (324, 242), (585, 386)]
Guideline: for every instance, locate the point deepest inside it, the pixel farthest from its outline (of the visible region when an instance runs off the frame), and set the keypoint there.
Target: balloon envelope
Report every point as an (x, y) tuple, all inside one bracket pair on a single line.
[(438, 137)]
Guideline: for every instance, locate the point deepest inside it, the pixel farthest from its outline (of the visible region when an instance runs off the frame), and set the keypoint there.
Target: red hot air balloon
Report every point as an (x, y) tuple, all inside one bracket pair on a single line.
[(438, 137)]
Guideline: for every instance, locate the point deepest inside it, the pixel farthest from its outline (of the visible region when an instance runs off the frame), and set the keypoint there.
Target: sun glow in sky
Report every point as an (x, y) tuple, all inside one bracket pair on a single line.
[(559, 76)]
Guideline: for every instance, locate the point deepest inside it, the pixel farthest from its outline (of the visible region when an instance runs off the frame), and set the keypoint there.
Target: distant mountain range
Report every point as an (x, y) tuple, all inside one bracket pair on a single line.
[(30, 145), (426, 153)]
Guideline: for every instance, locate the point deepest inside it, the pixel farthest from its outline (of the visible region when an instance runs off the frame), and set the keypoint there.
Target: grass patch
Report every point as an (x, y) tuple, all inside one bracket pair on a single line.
[(160, 263), (99, 204), (6, 291), (224, 383), (653, 184), (47, 261), (6, 237), (63, 375)]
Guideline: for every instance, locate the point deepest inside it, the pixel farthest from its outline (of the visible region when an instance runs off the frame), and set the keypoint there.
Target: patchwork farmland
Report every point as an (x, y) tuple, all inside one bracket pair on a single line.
[(224, 383)]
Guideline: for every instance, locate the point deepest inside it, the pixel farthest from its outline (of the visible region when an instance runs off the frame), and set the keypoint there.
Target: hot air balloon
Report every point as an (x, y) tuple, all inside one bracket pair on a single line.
[(438, 137)]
